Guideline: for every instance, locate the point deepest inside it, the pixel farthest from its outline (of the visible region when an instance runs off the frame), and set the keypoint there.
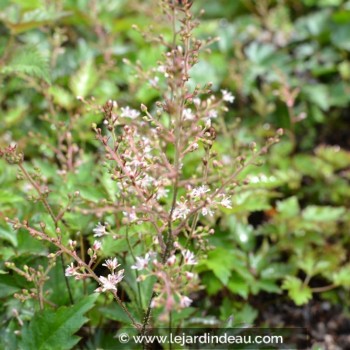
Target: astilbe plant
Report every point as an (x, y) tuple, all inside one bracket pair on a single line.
[(146, 152)]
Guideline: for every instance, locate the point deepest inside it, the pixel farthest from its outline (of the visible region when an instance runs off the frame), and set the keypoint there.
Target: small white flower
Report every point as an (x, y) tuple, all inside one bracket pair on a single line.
[(194, 146), (99, 230), (141, 263), (111, 281), (128, 112), (171, 260), (185, 301), (226, 202), (97, 245), (154, 82), (189, 275), (111, 264), (131, 216), (71, 270), (147, 149), (189, 258), (187, 114), (199, 191), (227, 96), (181, 210), (197, 101), (161, 69), (146, 181), (162, 193), (213, 113), (117, 278), (72, 244), (206, 211)]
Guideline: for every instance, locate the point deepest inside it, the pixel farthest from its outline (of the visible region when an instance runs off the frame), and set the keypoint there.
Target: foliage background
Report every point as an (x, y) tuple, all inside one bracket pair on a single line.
[(281, 254)]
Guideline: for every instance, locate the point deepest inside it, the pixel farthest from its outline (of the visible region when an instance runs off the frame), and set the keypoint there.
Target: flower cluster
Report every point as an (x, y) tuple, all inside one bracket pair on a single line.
[(174, 280), (110, 282), (165, 176)]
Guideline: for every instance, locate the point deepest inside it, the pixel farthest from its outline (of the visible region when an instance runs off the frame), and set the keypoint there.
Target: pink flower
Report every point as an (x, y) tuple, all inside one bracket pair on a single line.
[(141, 263), (97, 245), (171, 260), (226, 202), (199, 191), (227, 96), (189, 258), (110, 283), (99, 230), (71, 270), (111, 264), (185, 301)]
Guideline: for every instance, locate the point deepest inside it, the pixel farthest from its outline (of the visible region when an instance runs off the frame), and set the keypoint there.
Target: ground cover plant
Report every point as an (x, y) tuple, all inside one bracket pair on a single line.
[(173, 164)]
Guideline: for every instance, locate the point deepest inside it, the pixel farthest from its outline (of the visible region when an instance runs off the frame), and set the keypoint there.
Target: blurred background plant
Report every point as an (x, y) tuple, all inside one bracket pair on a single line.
[(281, 253)]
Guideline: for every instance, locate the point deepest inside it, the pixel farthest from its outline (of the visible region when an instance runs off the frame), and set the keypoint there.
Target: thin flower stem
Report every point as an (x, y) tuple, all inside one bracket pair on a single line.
[(37, 188), (137, 273), (177, 99), (54, 219), (91, 273)]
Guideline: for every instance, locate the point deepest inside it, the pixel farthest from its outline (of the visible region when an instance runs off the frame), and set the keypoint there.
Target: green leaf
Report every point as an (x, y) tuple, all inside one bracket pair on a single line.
[(84, 80), (55, 328), (334, 155), (114, 312), (238, 285), (323, 214), (211, 282), (289, 207), (9, 197), (297, 291), (342, 277), (61, 96), (221, 262), (29, 61), (317, 94), (9, 235), (247, 315), (253, 200), (33, 19), (8, 286), (340, 36)]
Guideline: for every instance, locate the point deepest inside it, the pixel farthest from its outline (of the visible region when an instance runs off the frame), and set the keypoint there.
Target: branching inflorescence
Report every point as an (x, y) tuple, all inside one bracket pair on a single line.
[(146, 152)]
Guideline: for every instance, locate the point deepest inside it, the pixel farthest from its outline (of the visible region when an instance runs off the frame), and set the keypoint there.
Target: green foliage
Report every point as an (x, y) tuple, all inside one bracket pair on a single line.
[(297, 291), (287, 234), (55, 329), (29, 61)]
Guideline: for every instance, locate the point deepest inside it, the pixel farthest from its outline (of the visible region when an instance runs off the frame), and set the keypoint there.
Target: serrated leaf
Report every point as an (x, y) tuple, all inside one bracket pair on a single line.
[(55, 328), (297, 291), (342, 277), (334, 155), (29, 61), (221, 263)]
